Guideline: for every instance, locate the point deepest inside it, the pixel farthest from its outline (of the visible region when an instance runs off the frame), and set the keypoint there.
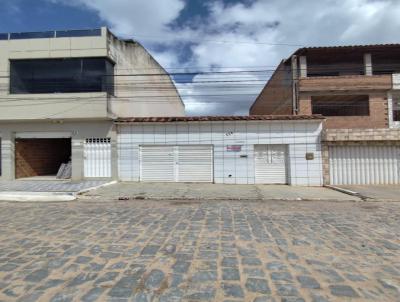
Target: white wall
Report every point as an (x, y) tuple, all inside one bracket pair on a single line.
[(300, 136), (79, 132), (142, 87)]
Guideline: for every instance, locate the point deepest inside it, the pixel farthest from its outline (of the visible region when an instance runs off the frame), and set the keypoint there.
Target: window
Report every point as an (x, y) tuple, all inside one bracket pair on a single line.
[(341, 105), (396, 108), (61, 75)]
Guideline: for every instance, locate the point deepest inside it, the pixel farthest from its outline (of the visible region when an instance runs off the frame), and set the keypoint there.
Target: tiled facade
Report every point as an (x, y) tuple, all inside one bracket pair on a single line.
[(301, 137)]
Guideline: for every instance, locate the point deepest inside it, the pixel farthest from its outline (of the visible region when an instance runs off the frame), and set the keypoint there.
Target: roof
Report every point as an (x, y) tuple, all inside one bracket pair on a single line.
[(218, 118), (51, 34), (370, 47)]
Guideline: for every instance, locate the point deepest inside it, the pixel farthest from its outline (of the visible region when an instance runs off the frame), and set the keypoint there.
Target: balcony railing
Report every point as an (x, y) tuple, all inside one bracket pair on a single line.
[(52, 34), (346, 83)]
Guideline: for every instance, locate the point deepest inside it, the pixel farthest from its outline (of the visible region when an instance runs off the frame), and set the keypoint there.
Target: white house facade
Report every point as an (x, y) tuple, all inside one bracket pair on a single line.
[(229, 150)]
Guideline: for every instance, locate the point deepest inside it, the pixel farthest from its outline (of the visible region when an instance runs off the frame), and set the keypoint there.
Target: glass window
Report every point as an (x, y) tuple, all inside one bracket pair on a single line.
[(396, 108), (61, 76), (78, 33), (340, 105)]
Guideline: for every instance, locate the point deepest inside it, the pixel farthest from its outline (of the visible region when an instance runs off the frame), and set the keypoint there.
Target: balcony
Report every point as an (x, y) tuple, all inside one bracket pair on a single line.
[(345, 83), (55, 106)]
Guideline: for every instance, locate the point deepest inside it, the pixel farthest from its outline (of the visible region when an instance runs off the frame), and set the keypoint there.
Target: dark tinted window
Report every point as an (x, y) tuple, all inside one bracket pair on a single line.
[(32, 35), (61, 75), (341, 105), (78, 33)]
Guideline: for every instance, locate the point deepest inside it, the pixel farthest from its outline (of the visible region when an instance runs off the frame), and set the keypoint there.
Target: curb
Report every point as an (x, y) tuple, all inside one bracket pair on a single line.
[(83, 191), (345, 191), (136, 198), (18, 196), (37, 196)]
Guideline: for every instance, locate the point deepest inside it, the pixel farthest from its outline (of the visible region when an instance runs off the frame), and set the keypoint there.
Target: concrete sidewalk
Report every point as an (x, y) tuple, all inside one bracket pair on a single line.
[(376, 193), (45, 190), (196, 191)]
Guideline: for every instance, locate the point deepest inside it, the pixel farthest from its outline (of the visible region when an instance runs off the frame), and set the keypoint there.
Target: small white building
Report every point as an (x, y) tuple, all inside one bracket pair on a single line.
[(224, 149)]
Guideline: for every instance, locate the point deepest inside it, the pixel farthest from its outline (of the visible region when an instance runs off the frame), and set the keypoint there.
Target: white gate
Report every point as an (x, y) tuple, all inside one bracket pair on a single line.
[(364, 165), (270, 164), (189, 163), (157, 163), (97, 158), (194, 164)]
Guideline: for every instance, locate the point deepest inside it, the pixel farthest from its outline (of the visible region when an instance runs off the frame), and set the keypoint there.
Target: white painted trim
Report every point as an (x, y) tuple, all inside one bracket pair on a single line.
[(396, 80), (392, 123), (368, 64), (390, 108), (43, 135)]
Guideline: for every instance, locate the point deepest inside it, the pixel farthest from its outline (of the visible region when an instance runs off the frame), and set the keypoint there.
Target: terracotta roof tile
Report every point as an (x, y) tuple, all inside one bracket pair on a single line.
[(217, 118)]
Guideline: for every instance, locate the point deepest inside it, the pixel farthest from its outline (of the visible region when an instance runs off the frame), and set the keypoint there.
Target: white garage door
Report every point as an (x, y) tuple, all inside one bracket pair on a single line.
[(364, 165), (270, 164), (176, 163), (97, 157)]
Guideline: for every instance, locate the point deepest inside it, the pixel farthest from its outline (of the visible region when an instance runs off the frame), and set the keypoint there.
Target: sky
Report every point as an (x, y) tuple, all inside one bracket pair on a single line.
[(240, 41)]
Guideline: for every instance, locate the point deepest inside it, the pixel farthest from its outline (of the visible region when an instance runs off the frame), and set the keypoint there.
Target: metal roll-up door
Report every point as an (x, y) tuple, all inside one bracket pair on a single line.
[(195, 164), (270, 164), (157, 163), (187, 163), (364, 165), (97, 158)]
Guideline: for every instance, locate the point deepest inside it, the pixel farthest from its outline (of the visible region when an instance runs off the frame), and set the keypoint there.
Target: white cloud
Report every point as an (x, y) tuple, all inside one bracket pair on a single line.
[(208, 94), (259, 22)]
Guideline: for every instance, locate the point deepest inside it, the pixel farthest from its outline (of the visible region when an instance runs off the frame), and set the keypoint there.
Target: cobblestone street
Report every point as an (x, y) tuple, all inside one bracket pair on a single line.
[(200, 251)]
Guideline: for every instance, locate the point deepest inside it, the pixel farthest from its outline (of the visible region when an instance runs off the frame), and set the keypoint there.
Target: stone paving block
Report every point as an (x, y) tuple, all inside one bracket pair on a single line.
[(204, 276), (233, 290), (308, 282), (230, 274), (251, 261), (154, 279), (287, 290), (343, 291), (257, 286), (181, 267), (281, 277), (230, 262), (37, 276), (93, 294)]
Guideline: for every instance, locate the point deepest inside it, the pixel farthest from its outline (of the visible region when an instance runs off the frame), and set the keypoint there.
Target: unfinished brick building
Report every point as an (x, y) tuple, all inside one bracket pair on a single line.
[(357, 88)]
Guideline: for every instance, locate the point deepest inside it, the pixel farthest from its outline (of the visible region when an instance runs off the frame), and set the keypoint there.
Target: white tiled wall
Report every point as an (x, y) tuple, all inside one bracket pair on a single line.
[(229, 167)]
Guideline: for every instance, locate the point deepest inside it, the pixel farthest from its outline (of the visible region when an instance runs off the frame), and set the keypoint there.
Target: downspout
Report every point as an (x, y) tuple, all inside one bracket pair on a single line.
[(295, 80)]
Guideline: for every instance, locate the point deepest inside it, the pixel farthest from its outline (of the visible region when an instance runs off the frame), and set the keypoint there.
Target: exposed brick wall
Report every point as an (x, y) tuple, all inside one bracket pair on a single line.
[(346, 83), (38, 157), (355, 135), (378, 117), (276, 96)]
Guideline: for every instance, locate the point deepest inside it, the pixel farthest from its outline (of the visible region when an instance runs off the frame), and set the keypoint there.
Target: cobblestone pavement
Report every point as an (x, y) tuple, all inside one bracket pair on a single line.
[(200, 251)]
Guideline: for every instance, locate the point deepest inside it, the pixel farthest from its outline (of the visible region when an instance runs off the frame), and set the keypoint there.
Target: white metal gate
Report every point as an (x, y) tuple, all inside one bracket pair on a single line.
[(364, 165), (270, 164), (189, 163), (97, 157), (157, 163)]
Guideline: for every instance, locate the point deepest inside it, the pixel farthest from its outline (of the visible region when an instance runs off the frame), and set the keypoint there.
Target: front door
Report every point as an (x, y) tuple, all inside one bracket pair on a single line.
[(270, 164), (97, 158)]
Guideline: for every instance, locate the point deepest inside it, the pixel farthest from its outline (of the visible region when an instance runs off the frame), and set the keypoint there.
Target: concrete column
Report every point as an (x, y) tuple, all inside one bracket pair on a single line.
[(77, 158), (303, 66), (390, 109), (368, 64), (114, 152), (7, 156)]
